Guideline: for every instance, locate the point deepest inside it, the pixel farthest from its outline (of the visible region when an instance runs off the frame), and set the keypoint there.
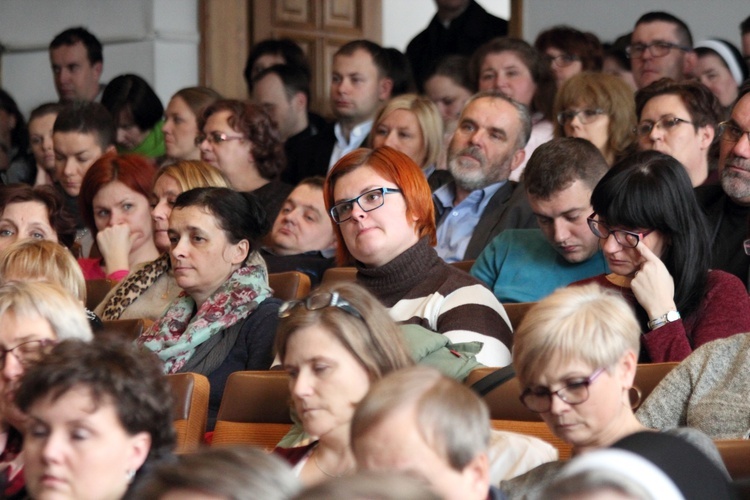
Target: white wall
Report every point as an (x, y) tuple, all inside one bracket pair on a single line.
[(404, 19), (156, 39)]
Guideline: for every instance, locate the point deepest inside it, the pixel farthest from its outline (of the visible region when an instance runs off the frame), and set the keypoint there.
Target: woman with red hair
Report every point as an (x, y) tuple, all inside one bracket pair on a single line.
[(382, 206), (115, 207)]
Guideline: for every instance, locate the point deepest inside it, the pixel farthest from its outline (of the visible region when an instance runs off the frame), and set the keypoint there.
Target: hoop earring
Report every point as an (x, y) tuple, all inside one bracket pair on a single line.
[(638, 396)]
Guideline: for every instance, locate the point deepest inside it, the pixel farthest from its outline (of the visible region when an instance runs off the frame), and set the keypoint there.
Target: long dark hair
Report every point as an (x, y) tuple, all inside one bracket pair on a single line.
[(652, 190)]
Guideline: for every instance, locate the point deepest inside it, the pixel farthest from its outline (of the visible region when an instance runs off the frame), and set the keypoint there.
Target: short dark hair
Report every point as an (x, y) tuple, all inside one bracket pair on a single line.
[(455, 67), (115, 371), (87, 118), (48, 108), (703, 106), (59, 218), (400, 72), (557, 164), (294, 79), (133, 94), (379, 56), (240, 215), (284, 47), (316, 181), (72, 36), (652, 190), (683, 32), (256, 125), (586, 46)]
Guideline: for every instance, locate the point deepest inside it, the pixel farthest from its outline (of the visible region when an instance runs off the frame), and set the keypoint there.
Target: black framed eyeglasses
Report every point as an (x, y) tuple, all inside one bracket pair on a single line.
[(562, 60), (657, 49), (627, 239), (368, 201), (216, 138), (585, 116), (319, 300), (539, 399), (27, 353), (665, 123), (730, 132)]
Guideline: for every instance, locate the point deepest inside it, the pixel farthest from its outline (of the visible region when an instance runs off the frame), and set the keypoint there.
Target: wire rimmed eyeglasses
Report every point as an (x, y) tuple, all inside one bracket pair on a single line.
[(666, 123), (562, 60), (216, 138), (627, 239), (539, 399), (585, 116), (27, 352), (730, 132), (319, 300), (367, 201)]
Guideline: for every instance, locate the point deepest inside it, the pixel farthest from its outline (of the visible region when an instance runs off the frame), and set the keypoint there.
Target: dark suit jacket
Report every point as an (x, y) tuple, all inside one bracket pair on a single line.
[(311, 156), (507, 209)]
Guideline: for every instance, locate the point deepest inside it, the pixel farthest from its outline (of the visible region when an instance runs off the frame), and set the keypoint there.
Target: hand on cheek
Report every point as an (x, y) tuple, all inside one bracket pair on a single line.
[(652, 285)]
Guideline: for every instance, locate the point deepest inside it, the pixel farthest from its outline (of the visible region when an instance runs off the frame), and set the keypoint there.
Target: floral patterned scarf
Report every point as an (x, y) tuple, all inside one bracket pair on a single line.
[(175, 337)]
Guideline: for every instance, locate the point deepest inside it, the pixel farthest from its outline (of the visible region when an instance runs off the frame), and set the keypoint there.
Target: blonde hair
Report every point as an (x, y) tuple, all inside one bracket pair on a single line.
[(587, 323), (43, 260), (428, 117), (31, 299), (191, 174)]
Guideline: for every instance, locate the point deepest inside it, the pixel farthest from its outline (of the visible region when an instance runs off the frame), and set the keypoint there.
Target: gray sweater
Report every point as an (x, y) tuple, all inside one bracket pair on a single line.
[(708, 391)]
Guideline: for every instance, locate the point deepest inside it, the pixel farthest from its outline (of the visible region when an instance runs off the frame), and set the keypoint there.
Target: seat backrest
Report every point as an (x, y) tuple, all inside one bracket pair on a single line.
[(736, 456), (503, 401), (96, 290), (254, 409), (190, 406), (464, 265), (128, 329), (648, 376), (339, 275), (538, 430), (517, 311), (289, 285)]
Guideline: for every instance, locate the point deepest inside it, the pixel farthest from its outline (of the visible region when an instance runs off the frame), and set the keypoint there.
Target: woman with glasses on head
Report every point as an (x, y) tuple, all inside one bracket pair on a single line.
[(575, 356), (240, 139), (333, 345), (599, 108), (385, 226), (33, 317), (655, 239), (569, 51), (680, 119)]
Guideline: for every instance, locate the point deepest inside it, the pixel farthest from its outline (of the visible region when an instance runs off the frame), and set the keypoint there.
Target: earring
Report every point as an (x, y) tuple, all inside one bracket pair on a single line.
[(129, 475), (638, 395)]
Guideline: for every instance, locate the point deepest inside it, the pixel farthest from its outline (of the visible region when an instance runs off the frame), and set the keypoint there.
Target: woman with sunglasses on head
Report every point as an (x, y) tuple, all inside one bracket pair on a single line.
[(575, 356), (385, 226), (655, 239)]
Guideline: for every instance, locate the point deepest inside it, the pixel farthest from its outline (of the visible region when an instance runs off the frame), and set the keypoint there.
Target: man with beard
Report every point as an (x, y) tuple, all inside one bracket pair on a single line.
[(728, 205), (481, 202)]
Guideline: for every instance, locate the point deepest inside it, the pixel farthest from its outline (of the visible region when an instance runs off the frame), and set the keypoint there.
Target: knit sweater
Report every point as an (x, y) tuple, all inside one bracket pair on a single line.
[(419, 288), (707, 391), (724, 311)]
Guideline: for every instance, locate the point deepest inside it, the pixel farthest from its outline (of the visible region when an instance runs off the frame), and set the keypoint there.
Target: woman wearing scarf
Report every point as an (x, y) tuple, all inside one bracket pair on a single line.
[(225, 319)]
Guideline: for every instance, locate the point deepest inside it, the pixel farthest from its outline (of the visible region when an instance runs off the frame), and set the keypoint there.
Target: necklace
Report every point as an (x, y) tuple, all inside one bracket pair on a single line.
[(321, 469)]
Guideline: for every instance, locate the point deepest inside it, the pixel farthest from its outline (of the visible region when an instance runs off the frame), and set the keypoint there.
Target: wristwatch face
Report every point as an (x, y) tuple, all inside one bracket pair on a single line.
[(672, 316)]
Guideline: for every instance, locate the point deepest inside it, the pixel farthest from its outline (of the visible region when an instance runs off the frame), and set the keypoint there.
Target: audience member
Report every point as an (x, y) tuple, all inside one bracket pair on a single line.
[(151, 287), (661, 46), (83, 132), (33, 317), (458, 27), (14, 137), (229, 473), (76, 59), (721, 68), (419, 421), (390, 238), (41, 122), (114, 202), (34, 213), (400, 73), (727, 205), (360, 84), (333, 344), (706, 391), (226, 319), (241, 140), (181, 118), (302, 237), (568, 51), (655, 239), (616, 60), (411, 124), (745, 32), (575, 355), (680, 119), (114, 396), (599, 108), (137, 112), (526, 265), (365, 485), (481, 202), (516, 69), (270, 52)]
